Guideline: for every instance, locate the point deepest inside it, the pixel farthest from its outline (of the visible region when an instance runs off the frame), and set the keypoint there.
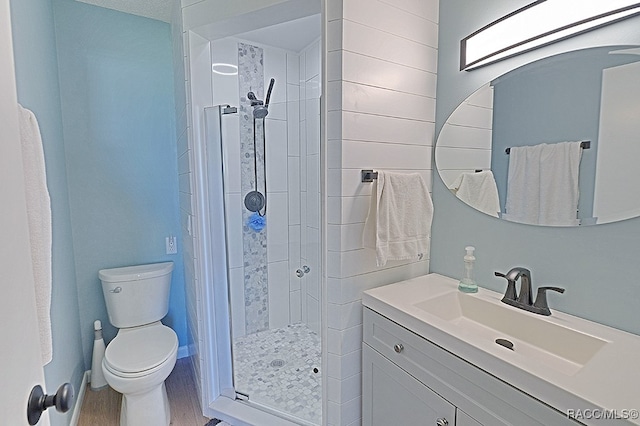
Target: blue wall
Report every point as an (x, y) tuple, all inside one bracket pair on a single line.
[(37, 81), (116, 85), (595, 264), (553, 100)]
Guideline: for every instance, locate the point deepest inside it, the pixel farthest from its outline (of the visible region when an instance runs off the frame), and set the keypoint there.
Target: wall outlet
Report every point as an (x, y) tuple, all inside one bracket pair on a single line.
[(172, 245)]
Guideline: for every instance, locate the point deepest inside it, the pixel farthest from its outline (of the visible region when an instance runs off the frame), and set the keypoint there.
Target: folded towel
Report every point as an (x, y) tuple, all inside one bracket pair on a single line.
[(542, 184), (39, 219), (398, 225), (478, 190)]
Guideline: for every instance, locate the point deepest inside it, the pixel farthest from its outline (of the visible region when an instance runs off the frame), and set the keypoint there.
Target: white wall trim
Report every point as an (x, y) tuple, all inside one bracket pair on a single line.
[(80, 398)]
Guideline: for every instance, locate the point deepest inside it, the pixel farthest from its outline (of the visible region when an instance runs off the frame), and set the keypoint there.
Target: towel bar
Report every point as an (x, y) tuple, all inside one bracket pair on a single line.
[(583, 145), (368, 175)]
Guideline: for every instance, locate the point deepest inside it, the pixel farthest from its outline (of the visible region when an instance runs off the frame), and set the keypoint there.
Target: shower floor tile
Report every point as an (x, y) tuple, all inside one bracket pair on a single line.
[(280, 369)]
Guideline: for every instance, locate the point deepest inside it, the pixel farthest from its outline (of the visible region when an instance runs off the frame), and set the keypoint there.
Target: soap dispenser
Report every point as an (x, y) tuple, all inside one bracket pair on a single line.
[(468, 282)]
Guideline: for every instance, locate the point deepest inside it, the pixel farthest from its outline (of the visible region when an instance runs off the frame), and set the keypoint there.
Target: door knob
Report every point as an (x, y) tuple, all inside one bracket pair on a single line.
[(39, 402)]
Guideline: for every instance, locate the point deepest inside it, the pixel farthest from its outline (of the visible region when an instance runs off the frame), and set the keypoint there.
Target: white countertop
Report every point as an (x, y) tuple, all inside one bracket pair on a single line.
[(608, 380)]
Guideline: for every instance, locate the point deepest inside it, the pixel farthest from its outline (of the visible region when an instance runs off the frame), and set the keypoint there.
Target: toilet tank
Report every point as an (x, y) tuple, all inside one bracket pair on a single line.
[(136, 295)]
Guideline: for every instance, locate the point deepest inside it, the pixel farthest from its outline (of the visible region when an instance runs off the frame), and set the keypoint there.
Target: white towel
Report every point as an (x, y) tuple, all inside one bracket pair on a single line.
[(542, 184), (478, 190), (398, 225), (39, 219)]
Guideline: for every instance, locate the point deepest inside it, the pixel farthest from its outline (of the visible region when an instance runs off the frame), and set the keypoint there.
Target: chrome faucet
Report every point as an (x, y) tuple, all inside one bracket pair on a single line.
[(525, 300)]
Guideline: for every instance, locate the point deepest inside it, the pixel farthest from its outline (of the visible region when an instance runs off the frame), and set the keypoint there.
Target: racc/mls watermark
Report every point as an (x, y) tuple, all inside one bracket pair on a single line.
[(601, 414)]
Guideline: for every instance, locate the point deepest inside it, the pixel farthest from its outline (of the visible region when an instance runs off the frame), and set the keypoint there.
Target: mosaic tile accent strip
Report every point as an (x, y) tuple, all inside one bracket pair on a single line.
[(256, 296), (280, 369)]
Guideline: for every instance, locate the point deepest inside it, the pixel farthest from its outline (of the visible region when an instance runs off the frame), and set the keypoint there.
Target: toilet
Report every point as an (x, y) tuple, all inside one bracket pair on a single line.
[(142, 355)]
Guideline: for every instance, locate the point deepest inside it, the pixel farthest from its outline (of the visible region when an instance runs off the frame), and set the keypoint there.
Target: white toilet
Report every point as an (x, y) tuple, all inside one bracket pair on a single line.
[(139, 359)]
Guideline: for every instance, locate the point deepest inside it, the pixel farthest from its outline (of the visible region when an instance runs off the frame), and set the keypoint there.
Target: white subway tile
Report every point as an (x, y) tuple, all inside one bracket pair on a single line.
[(374, 100), (334, 35), (312, 60), (278, 294), (392, 20), (345, 237), (231, 152), (277, 227), (453, 136), (334, 65), (293, 170), (293, 69), (275, 66), (366, 155), (277, 147), (377, 128), (236, 288), (388, 75), (472, 116), (463, 159), (427, 9), (295, 307), (343, 366), (345, 210), (233, 214), (294, 257), (379, 44)]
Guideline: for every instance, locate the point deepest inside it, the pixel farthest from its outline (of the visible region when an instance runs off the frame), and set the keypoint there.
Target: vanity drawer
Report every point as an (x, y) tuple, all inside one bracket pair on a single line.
[(482, 396)]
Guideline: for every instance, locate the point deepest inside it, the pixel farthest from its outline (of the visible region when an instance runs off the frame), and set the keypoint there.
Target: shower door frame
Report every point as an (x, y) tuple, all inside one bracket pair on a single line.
[(219, 396), (213, 362)]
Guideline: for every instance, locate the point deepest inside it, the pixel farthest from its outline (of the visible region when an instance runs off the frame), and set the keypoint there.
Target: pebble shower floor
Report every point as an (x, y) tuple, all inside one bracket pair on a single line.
[(280, 369)]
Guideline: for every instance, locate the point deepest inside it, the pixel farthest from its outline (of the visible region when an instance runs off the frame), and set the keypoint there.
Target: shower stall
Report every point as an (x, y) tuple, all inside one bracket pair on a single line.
[(258, 174)]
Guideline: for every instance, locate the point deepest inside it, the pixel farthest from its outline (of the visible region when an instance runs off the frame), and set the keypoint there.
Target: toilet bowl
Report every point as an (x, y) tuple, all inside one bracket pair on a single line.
[(136, 364), (142, 355)]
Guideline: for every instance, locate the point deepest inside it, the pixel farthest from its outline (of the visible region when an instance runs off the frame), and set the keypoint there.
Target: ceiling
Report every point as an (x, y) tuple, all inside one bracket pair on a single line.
[(154, 9), (292, 35)]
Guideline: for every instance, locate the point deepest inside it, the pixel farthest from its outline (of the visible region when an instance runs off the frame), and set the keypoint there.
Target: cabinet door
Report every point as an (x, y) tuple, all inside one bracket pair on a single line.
[(391, 396), (463, 419)]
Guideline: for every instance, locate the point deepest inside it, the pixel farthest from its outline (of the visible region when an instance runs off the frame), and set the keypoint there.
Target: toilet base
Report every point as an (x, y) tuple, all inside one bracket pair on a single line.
[(146, 408)]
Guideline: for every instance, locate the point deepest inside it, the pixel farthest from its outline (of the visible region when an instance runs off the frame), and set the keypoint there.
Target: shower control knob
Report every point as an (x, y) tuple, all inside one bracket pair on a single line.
[(442, 422)]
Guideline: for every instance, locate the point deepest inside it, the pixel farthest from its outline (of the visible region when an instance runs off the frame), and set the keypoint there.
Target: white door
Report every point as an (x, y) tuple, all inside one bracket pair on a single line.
[(20, 362)]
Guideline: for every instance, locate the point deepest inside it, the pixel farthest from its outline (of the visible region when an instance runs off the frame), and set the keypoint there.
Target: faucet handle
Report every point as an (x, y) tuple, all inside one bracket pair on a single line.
[(541, 299), (511, 293)]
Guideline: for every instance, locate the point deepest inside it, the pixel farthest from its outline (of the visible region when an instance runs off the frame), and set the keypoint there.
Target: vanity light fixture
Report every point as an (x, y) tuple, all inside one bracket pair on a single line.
[(538, 24), (222, 68)]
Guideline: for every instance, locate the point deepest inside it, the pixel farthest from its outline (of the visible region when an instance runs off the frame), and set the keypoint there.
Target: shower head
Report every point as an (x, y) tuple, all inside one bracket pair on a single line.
[(261, 109), (271, 83)]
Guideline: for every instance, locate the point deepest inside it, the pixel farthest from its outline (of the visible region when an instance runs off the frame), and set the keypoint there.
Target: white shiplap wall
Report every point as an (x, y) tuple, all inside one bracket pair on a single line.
[(381, 68)]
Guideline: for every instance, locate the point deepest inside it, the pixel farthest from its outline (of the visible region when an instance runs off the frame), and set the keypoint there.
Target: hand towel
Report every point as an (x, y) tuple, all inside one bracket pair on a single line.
[(398, 225), (39, 220), (478, 190), (542, 184)]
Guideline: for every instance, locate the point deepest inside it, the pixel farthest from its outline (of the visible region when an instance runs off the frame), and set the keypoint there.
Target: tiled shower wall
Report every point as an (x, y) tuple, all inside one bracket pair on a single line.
[(293, 221), (381, 72)]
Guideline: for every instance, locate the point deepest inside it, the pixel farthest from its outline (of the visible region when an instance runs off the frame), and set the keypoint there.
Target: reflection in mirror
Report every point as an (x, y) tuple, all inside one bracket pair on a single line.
[(587, 95)]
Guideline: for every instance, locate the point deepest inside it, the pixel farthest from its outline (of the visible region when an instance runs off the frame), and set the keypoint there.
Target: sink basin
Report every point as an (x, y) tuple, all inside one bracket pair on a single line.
[(565, 361), (561, 348)]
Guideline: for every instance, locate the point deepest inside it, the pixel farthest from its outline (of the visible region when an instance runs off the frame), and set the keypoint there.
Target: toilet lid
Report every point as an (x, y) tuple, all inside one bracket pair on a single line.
[(141, 349)]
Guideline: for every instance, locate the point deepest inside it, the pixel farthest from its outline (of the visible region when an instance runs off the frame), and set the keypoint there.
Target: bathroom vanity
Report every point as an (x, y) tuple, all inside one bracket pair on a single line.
[(430, 357)]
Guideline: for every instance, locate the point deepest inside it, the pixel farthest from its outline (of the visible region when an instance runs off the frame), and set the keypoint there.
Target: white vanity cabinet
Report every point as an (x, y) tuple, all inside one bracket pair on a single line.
[(408, 380)]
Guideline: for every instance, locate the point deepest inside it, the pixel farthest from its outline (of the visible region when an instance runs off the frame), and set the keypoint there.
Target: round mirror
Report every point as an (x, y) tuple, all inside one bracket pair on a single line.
[(553, 143)]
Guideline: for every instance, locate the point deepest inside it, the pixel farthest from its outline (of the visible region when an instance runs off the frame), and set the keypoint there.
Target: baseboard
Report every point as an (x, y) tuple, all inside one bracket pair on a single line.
[(79, 398), (184, 351)]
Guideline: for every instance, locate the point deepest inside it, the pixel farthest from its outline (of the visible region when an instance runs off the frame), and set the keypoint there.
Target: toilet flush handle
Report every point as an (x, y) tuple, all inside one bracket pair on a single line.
[(116, 290)]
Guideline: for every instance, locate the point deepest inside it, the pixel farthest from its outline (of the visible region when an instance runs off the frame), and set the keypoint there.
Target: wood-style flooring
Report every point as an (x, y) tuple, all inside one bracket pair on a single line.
[(103, 407)]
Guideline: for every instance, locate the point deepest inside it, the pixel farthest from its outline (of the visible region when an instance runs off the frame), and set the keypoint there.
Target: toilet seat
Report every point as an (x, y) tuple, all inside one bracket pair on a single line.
[(140, 351)]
